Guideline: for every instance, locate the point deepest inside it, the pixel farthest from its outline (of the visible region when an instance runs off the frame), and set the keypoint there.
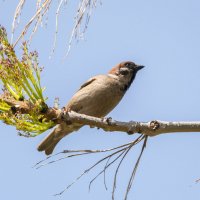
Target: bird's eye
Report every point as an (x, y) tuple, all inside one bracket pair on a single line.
[(127, 64)]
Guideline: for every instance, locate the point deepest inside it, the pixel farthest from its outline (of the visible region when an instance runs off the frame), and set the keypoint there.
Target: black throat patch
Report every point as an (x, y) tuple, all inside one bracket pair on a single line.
[(127, 86)]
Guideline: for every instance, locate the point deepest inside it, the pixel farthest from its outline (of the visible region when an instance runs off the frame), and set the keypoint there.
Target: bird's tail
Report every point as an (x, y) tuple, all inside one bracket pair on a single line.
[(50, 142)]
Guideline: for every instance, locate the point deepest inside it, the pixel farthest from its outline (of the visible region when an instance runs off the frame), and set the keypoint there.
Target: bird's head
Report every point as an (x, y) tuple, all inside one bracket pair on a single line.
[(126, 72)]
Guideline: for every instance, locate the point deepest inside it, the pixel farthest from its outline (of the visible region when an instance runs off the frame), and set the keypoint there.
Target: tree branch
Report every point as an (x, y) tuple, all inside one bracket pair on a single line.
[(151, 128)]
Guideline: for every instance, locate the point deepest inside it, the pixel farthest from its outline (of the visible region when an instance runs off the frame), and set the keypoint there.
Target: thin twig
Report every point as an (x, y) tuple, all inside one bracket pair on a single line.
[(116, 172), (108, 165), (86, 151), (104, 173), (17, 14), (83, 14), (38, 21), (56, 31), (59, 159), (83, 8), (89, 169), (46, 3), (136, 141), (135, 168)]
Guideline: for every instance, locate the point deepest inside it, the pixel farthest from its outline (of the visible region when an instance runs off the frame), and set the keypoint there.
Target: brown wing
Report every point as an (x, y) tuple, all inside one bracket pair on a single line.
[(75, 105), (87, 83)]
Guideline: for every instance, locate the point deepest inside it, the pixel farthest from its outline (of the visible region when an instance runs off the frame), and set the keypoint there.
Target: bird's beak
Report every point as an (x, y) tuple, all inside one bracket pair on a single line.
[(139, 67)]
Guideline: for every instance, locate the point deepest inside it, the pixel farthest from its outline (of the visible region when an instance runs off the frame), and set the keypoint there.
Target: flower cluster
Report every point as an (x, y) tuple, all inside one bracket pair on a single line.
[(21, 82)]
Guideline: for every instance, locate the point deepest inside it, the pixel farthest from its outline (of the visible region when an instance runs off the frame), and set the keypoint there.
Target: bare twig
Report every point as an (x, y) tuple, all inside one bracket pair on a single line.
[(84, 9), (39, 19), (17, 14), (109, 164), (89, 169), (56, 31), (135, 168), (83, 151), (131, 144), (59, 159), (116, 171), (117, 153), (82, 18), (104, 174), (45, 5)]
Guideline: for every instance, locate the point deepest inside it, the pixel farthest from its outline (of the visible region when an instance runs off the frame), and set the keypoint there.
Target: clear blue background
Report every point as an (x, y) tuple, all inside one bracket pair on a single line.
[(162, 35)]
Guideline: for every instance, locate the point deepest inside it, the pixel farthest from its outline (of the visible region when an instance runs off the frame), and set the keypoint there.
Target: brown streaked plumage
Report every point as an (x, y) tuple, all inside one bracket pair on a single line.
[(97, 97)]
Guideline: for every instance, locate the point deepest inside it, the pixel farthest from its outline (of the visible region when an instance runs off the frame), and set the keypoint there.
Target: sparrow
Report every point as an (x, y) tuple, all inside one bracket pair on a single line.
[(96, 97)]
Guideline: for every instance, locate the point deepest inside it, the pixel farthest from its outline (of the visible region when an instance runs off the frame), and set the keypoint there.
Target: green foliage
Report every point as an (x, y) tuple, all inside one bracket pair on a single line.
[(21, 81)]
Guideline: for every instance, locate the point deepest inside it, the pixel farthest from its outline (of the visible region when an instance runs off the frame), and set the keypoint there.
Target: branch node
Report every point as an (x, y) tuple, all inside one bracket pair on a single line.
[(64, 116), (154, 125), (109, 120)]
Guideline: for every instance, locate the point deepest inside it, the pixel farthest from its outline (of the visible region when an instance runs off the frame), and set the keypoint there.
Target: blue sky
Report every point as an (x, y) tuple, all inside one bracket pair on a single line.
[(163, 36)]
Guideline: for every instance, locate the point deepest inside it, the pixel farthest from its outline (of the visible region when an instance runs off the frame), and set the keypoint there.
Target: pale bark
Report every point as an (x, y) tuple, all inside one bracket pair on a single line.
[(151, 128)]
